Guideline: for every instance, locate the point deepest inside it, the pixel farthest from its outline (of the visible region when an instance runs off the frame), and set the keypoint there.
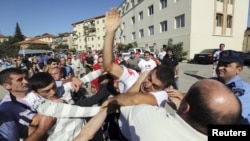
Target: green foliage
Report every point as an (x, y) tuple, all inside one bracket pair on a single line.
[(35, 46), (18, 36), (125, 48), (177, 49), (72, 50), (60, 47), (11, 47), (8, 49)]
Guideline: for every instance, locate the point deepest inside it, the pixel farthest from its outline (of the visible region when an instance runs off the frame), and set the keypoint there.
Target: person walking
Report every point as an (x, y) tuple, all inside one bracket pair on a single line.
[(170, 60)]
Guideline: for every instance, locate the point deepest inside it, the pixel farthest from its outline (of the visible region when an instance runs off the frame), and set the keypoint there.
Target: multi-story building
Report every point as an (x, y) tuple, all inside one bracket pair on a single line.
[(89, 34), (63, 39), (198, 24)]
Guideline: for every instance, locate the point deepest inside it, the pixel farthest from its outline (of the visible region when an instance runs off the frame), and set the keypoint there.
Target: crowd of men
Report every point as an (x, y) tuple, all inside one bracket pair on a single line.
[(131, 98)]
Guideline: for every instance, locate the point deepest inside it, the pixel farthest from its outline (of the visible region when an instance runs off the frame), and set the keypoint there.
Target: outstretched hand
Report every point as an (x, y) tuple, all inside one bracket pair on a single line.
[(112, 20)]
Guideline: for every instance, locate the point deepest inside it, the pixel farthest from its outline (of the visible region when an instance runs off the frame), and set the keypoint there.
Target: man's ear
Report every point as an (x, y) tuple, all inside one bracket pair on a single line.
[(6, 86), (184, 108)]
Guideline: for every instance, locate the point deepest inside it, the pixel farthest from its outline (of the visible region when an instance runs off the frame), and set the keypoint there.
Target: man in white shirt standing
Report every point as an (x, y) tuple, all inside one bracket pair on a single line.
[(216, 57), (147, 63), (161, 54)]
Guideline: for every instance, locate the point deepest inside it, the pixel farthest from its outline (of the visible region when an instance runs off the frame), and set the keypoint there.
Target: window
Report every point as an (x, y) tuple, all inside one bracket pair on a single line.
[(141, 15), (220, 0), (180, 21), (132, 3), (151, 10), (230, 2), (163, 4), (164, 26), (151, 30), (219, 20), (123, 26), (124, 38), (133, 20), (229, 21), (133, 36), (141, 33)]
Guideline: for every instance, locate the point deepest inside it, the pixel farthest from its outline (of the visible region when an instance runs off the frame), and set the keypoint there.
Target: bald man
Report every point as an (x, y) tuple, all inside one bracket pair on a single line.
[(207, 102)]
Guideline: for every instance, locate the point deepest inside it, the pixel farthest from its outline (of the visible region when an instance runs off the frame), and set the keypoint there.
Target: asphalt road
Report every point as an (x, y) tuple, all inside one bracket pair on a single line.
[(189, 74)]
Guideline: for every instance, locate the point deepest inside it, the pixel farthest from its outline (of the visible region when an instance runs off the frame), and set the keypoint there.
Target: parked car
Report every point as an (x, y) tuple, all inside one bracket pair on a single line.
[(205, 56), (247, 58)]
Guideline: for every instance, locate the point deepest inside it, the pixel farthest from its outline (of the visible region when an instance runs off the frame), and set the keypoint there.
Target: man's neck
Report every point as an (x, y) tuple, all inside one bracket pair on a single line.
[(19, 94)]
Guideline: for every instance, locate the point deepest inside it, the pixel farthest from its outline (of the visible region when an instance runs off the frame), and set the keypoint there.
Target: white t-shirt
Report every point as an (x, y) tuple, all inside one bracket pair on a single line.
[(129, 77), (146, 65), (217, 55), (151, 123)]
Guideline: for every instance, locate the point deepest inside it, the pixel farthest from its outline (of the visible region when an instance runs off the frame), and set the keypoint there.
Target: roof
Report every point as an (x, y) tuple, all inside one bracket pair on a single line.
[(31, 51), (32, 41)]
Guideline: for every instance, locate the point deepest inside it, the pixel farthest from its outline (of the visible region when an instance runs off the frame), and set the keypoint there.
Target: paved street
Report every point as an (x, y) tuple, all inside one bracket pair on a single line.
[(189, 74)]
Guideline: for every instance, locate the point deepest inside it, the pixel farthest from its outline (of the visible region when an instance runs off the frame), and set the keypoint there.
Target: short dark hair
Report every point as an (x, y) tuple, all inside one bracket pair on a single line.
[(40, 80), (6, 73), (165, 74), (50, 60)]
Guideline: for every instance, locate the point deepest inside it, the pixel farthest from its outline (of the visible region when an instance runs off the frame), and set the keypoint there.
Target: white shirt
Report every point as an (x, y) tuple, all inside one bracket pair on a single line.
[(161, 55), (146, 65), (151, 123), (129, 77)]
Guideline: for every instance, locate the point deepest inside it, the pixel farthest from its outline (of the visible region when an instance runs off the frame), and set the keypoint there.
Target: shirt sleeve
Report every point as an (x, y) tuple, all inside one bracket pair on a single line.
[(161, 97), (128, 78), (62, 110), (91, 76)]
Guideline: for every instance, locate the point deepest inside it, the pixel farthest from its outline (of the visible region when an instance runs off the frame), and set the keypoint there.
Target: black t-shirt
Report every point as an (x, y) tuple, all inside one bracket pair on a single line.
[(172, 62)]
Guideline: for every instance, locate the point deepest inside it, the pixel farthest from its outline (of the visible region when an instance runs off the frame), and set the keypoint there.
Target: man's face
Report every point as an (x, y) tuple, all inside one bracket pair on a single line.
[(222, 47), (18, 84), (48, 92), (63, 61), (132, 55), (170, 53), (147, 56), (151, 83), (56, 73), (227, 71), (53, 65)]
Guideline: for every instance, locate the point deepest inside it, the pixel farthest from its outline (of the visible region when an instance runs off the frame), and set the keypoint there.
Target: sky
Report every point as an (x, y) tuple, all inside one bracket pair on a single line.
[(36, 17)]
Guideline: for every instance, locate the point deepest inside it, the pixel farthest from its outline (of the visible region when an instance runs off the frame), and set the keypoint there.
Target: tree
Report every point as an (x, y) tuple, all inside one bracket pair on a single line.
[(18, 36)]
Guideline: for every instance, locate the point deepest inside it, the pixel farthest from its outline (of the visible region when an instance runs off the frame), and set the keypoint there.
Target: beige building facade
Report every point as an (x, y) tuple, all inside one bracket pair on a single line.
[(89, 34), (198, 24)]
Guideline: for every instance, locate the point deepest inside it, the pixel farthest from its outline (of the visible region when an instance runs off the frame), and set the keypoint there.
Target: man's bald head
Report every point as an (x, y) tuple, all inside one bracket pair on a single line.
[(210, 102)]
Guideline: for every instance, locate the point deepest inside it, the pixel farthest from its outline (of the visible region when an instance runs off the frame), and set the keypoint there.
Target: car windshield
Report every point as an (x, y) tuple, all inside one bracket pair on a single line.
[(208, 51)]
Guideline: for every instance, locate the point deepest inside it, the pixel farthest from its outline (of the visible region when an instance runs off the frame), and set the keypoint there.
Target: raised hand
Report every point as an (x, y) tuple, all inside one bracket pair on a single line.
[(113, 20)]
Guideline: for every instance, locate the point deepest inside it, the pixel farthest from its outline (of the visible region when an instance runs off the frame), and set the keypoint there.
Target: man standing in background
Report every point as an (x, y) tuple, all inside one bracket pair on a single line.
[(170, 60), (216, 57)]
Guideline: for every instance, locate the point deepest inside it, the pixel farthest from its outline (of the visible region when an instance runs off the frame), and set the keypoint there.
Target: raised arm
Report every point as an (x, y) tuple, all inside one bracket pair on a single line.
[(112, 23)]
